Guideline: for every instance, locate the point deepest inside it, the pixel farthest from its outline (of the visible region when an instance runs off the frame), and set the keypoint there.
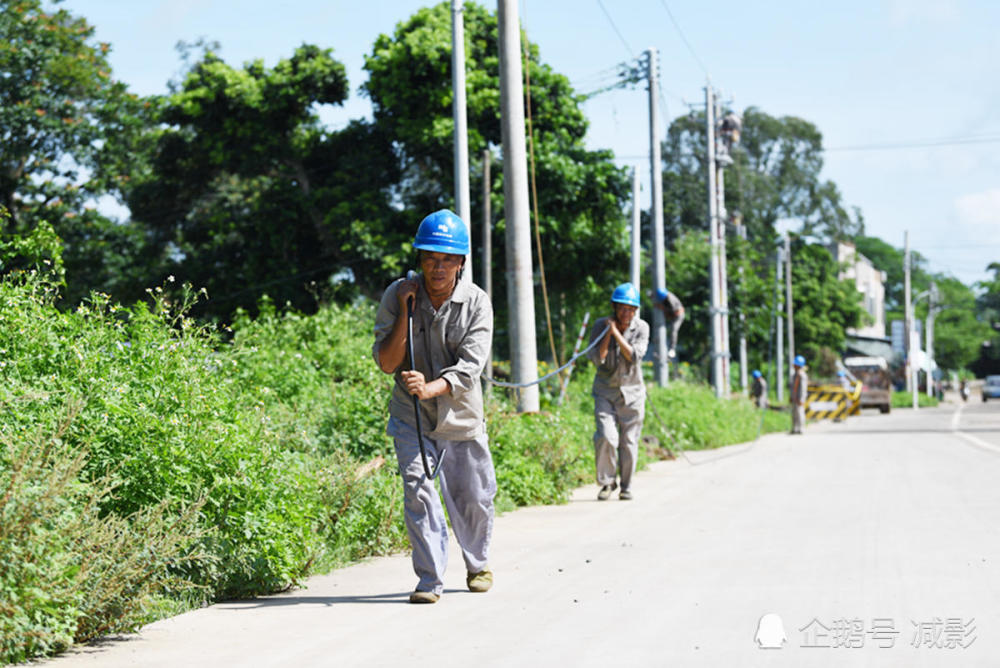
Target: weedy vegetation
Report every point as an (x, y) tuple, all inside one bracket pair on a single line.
[(150, 464)]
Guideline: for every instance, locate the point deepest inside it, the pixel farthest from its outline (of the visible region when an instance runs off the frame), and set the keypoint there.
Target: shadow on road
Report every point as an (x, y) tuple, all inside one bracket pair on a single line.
[(278, 601)]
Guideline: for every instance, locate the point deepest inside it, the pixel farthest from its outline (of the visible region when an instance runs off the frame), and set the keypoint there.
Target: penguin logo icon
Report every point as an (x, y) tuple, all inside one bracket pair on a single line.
[(770, 632)]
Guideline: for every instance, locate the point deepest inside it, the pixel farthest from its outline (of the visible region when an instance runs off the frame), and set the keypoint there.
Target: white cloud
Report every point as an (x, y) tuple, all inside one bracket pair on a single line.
[(982, 208)]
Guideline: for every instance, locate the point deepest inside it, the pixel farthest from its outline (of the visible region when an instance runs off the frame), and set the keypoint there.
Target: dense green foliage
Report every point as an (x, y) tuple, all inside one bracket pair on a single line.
[(581, 193), (824, 305), (775, 175), (905, 400), (961, 322), (59, 107), (144, 459)]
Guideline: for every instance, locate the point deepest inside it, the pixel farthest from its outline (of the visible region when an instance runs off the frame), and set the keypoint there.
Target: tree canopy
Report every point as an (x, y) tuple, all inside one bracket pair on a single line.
[(581, 193), (775, 176), (59, 106), (234, 184)]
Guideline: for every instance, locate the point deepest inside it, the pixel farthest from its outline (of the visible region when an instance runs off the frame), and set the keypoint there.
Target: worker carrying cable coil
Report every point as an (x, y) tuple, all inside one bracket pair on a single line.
[(436, 415)]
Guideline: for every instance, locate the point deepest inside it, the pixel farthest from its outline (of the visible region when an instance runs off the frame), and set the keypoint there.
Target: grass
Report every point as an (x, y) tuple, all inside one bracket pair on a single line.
[(905, 400)]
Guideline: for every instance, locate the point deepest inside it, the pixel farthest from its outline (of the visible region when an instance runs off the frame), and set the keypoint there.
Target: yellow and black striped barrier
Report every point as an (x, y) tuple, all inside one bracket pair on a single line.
[(832, 402)]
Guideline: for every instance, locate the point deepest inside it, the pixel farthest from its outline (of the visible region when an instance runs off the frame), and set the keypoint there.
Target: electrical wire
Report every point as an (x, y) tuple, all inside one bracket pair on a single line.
[(920, 143), (683, 38), (617, 31)]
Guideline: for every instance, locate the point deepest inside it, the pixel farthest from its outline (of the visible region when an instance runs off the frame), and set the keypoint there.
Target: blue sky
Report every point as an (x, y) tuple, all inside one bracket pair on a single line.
[(891, 74)]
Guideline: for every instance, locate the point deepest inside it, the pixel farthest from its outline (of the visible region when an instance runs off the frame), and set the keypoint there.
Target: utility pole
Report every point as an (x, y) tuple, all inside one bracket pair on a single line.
[(932, 300), (636, 246), (461, 138), (487, 244), (721, 161), (741, 231), (661, 365), (520, 290), (779, 385), (907, 313), (487, 226), (788, 301), (718, 372)]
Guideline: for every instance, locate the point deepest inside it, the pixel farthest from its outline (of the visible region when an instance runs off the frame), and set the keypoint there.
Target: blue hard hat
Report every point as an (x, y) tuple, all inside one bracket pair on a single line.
[(626, 294), (661, 294), (756, 373), (800, 360), (841, 372), (443, 232)]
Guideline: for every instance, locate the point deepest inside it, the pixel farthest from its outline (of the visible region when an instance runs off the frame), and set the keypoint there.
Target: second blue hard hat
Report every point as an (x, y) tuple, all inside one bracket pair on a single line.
[(800, 360), (661, 294), (756, 373), (625, 294), (443, 232)]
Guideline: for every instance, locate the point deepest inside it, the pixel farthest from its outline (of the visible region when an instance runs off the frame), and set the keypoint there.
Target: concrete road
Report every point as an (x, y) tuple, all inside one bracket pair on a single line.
[(874, 542)]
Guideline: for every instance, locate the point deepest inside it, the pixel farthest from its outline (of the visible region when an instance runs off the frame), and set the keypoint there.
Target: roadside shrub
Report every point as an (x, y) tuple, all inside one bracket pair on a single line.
[(905, 400), (67, 573), (162, 406)]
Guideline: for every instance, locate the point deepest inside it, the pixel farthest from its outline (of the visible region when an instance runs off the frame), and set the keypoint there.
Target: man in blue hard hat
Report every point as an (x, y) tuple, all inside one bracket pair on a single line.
[(800, 390), (619, 391), (673, 311), (758, 389), (452, 335)]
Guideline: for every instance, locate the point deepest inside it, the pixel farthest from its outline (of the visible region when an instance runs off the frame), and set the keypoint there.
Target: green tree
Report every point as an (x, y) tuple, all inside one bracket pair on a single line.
[(750, 293), (958, 334), (824, 305), (581, 193), (988, 302), (887, 258), (59, 107), (248, 193), (775, 175)]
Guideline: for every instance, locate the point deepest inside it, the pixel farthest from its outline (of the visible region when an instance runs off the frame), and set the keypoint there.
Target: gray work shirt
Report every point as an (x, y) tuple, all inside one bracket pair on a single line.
[(452, 342), (615, 375), (800, 387), (673, 304)]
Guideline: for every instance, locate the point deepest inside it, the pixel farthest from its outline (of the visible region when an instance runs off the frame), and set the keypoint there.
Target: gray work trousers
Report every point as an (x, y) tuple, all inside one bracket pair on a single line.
[(619, 426), (468, 485), (675, 326), (798, 418)]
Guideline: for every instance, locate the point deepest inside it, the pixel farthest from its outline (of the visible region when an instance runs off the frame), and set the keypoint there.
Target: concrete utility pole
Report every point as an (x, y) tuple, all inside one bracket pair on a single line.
[(636, 247), (788, 301), (461, 137), (661, 365), (718, 372), (779, 385), (741, 230), (487, 226), (907, 313), (721, 216), (932, 301), (520, 291), (487, 244)]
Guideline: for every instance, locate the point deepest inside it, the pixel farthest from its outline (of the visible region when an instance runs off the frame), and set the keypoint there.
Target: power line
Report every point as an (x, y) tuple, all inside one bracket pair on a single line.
[(617, 32), (925, 143), (683, 38)]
